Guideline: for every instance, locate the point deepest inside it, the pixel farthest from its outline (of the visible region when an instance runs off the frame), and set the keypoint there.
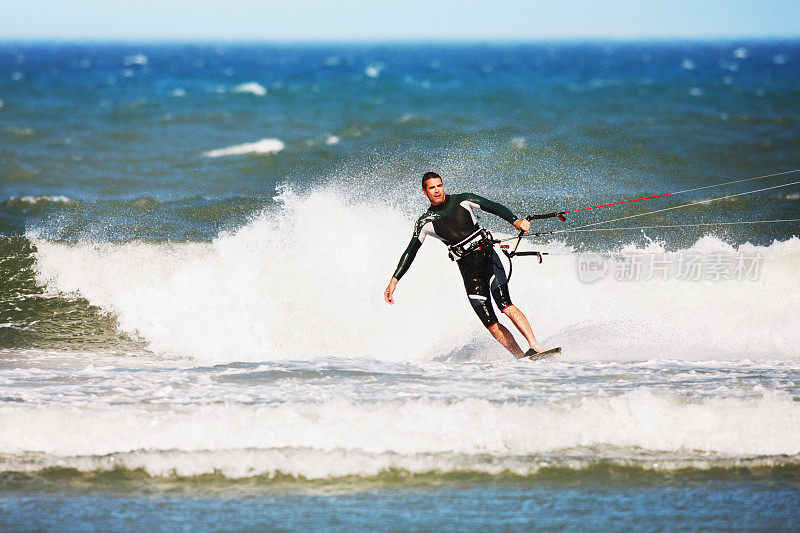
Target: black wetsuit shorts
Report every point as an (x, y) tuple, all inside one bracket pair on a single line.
[(484, 274)]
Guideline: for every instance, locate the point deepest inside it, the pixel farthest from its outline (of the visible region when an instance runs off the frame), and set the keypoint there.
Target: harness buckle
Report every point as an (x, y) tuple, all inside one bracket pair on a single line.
[(474, 243)]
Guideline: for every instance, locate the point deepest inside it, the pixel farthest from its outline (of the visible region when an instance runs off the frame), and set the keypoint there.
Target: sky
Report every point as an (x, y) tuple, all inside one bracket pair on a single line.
[(380, 20)]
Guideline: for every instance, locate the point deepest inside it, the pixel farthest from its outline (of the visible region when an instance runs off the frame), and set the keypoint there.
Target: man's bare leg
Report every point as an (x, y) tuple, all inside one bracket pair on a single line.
[(504, 337), (520, 320)]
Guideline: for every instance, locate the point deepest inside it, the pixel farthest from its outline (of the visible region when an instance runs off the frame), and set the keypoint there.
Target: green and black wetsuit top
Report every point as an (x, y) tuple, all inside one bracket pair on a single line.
[(451, 222)]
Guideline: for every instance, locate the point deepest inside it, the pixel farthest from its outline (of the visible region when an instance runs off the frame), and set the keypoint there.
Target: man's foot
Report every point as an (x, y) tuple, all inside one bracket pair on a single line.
[(527, 354), (542, 354)]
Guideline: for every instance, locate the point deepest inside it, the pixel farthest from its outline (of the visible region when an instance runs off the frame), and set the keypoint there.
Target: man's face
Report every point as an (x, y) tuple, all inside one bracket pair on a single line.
[(434, 190)]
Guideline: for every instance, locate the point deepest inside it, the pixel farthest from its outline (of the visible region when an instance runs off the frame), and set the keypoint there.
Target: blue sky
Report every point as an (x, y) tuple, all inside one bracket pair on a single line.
[(361, 20)]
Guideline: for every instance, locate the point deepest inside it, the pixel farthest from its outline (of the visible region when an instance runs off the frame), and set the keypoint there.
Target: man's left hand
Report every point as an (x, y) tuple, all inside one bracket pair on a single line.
[(522, 225)]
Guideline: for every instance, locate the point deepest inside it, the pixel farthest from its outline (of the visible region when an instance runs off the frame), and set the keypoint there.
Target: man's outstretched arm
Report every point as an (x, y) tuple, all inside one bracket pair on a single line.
[(405, 261), (501, 211)]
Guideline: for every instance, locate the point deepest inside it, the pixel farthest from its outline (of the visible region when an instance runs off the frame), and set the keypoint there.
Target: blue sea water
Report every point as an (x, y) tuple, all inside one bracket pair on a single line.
[(195, 238)]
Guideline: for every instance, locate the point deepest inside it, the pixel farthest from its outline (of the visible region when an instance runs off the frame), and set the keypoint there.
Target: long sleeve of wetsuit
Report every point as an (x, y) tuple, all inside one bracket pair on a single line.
[(492, 207), (408, 257)]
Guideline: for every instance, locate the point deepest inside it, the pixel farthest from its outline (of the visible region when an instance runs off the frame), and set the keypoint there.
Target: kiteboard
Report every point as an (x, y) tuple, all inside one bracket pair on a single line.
[(547, 354)]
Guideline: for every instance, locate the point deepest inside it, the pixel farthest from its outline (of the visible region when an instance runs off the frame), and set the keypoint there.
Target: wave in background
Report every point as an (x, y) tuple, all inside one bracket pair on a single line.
[(264, 146), (343, 438)]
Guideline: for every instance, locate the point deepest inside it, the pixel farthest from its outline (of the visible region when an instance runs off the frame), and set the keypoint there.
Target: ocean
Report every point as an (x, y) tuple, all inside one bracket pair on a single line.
[(195, 239)]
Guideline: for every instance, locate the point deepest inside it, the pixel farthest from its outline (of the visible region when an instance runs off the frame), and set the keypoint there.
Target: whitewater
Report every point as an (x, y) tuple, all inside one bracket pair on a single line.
[(299, 281), (269, 351)]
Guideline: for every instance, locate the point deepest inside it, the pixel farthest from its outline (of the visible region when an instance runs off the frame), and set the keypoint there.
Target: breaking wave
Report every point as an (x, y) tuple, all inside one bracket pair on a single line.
[(343, 438), (304, 280)]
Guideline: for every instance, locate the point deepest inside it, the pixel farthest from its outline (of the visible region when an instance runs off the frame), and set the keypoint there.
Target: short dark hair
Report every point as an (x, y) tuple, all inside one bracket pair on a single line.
[(427, 176)]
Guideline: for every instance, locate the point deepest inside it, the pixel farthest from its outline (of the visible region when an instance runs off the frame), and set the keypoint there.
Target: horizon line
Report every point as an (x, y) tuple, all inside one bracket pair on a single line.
[(406, 41)]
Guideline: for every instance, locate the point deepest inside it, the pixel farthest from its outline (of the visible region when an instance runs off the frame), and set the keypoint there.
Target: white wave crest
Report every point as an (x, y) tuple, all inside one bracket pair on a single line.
[(305, 281), (373, 71), (37, 200), (322, 440), (264, 146), (251, 88), (136, 59)]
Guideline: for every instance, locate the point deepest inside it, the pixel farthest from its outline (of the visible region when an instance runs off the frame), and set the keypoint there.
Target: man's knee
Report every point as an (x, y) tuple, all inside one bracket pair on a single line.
[(501, 297), (511, 308)]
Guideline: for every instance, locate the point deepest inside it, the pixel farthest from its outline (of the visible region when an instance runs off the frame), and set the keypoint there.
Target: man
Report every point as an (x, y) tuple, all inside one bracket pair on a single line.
[(452, 220)]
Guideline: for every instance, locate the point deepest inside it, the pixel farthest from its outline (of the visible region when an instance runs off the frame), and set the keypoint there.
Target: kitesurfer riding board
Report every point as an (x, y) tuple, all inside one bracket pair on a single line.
[(452, 220)]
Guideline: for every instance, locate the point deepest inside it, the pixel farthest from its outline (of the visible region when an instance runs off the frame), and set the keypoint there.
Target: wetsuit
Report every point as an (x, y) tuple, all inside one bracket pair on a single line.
[(453, 222)]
